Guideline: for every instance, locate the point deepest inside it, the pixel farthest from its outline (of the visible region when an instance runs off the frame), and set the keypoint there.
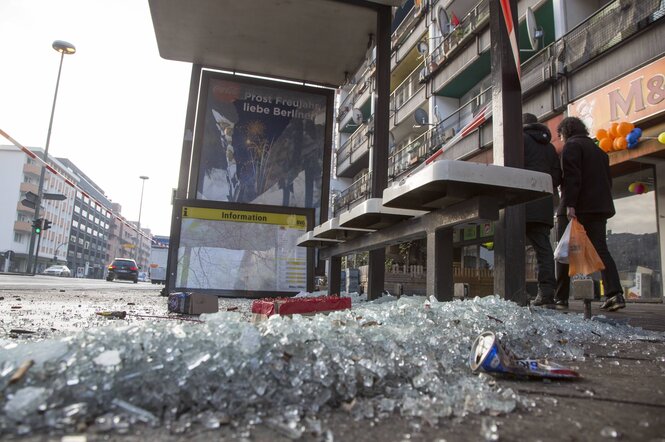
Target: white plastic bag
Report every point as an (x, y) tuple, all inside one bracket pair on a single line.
[(561, 252)]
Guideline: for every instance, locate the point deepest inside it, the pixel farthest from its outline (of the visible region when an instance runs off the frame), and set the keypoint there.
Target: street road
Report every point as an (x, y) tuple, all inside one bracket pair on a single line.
[(42, 307), (21, 282)]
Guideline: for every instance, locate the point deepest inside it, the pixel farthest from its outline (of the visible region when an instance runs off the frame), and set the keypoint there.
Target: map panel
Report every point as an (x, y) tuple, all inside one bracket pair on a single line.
[(223, 249)]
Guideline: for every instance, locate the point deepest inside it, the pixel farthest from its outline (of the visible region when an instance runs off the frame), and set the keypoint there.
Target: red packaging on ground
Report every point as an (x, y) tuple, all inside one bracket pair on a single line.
[(299, 306)]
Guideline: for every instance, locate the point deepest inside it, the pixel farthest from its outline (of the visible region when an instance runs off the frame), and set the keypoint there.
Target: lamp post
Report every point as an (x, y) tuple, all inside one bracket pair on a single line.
[(64, 48), (138, 231)]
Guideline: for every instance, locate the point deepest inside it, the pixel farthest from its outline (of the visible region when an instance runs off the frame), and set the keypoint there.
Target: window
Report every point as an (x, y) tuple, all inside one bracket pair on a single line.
[(632, 235), (18, 238)]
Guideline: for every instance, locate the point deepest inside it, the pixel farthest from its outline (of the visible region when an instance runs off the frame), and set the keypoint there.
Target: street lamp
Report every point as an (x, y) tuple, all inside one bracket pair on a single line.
[(65, 49), (138, 232)]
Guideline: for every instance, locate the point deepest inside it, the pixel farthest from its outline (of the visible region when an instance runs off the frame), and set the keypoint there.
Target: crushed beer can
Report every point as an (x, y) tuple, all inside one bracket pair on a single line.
[(488, 354)]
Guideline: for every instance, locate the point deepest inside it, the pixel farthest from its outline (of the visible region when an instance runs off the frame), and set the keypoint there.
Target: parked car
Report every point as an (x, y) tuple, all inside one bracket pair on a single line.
[(58, 270), (123, 268)]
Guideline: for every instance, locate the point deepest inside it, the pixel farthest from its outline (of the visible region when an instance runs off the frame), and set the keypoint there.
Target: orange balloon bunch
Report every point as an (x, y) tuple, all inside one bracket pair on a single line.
[(615, 138)]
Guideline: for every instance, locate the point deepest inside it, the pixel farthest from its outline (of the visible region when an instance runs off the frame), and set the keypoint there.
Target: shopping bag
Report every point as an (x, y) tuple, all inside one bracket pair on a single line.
[(561, 251), (582, 256)]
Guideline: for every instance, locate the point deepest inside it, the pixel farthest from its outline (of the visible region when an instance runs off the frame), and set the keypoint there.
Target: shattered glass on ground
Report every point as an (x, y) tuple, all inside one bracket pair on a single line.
[(408, 357)]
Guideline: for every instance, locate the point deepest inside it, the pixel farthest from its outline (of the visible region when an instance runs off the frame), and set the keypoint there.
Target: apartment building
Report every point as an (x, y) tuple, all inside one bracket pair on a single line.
[(19, 174), (87, 246), (601, 60)]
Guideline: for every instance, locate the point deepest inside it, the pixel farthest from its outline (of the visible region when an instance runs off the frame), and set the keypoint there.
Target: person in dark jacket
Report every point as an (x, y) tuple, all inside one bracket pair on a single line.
[(587, 196), (540, 155)]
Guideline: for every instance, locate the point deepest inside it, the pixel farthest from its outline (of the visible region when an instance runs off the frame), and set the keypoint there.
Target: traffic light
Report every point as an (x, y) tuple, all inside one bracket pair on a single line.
[(37, 225), (47, 224)]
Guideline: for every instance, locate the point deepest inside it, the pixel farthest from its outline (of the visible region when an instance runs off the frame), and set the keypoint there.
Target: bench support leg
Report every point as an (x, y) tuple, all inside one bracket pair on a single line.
[(509, 267), (376, 273), (335, 276), (440, 264)]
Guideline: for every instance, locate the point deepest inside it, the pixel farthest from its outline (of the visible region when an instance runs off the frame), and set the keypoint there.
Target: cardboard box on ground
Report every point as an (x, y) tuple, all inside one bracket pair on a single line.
[(192, 303)]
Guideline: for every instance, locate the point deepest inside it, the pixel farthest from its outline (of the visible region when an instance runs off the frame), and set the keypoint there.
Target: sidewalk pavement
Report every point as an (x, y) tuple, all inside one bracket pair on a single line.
[(649, 316)]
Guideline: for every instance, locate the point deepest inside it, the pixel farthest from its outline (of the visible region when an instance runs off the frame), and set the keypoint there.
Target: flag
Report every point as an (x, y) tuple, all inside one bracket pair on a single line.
[(454, 21)]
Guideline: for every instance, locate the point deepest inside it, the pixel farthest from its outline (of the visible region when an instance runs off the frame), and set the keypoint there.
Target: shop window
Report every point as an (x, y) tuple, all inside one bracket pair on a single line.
[(632, 235)]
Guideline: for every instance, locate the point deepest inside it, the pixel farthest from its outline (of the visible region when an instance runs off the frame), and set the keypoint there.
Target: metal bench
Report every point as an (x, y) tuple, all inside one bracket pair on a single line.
[(445, 194)]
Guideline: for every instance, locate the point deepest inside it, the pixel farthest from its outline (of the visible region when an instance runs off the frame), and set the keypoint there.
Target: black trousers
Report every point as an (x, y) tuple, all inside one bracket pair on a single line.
[(538, 235), (596, 230)]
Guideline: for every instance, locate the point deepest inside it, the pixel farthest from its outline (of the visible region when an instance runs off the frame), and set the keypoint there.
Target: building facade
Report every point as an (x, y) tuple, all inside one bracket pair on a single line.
[(87, 230), (87, 246), (127, 241), (19, 174), (600, 60)]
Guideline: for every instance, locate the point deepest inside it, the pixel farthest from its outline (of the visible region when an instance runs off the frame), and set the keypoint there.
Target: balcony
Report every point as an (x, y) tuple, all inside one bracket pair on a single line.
[(23, 226), (360, 87), (539, 71), (24, 209), (357, 191), (468, 27), (32, 169), (406, 27), (609, 27), (352, 156), (29, 187), (403, 93), (461, 123)]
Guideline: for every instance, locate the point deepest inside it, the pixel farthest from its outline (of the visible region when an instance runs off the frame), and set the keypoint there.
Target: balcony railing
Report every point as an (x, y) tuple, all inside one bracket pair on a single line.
[(358, 190), (355, 141), (476, 19), (32, 169), (23, 226), (539, 70), (364, 81), (414, 153), (607, 28), (406, 27), (28, 187), (407, 88), (24, 209)]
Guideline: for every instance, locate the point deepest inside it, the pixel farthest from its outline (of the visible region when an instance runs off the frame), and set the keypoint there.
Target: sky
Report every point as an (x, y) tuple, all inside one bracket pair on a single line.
[(120, 109)]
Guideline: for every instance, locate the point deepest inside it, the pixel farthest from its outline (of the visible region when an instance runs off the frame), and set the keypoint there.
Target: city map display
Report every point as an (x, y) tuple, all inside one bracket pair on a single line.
[(241, 250)]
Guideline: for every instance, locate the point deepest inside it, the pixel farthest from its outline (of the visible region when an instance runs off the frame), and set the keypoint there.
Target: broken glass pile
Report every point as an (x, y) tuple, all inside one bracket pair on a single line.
[(408, 357)]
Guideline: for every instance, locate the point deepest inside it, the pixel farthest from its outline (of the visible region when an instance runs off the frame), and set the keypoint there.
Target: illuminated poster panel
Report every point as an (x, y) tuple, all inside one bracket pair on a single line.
[(261, 142), (241, 250)]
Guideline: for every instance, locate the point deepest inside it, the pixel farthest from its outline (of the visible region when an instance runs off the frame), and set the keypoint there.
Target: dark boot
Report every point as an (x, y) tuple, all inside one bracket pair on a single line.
[(543, 300)]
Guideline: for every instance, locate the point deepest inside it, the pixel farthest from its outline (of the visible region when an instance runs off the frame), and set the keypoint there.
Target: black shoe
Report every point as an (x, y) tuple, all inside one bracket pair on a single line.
[(561, 304), (614, 303), (543, 301)]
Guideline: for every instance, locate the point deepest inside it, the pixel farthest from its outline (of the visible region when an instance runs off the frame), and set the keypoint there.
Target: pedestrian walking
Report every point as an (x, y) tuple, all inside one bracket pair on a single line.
[(540, 155), (587, 196)]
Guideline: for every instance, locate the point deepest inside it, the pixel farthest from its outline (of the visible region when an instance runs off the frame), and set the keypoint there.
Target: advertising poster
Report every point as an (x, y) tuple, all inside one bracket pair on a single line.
[(236, 251), (260, 143)]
